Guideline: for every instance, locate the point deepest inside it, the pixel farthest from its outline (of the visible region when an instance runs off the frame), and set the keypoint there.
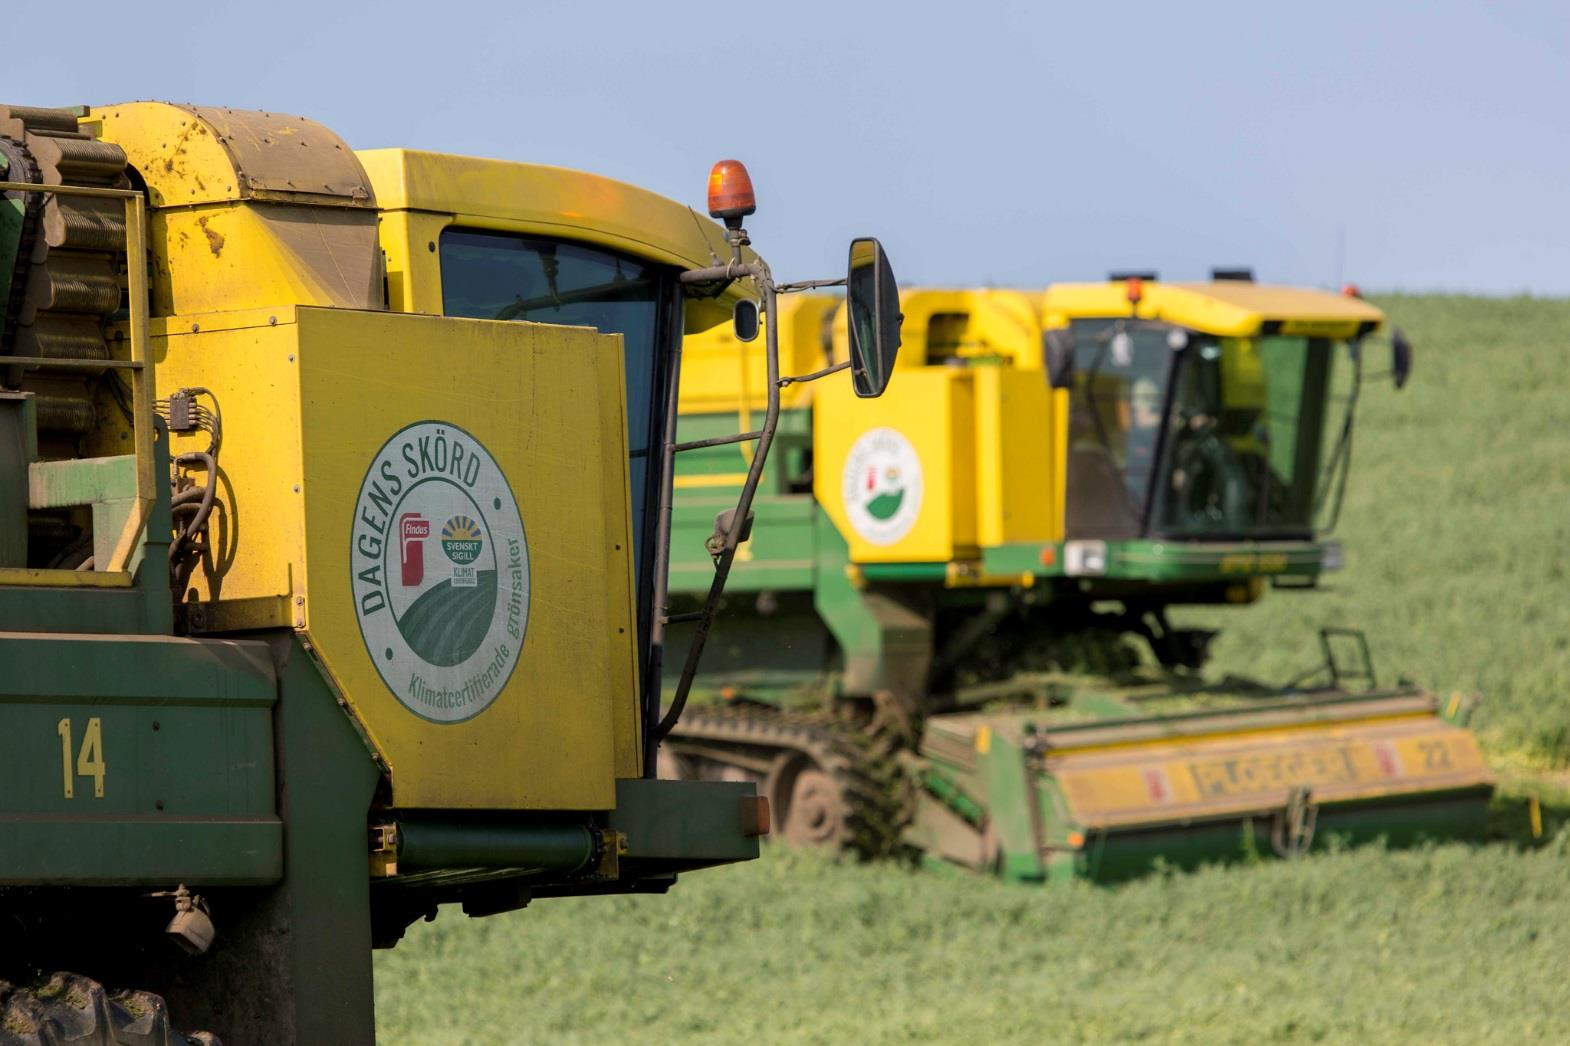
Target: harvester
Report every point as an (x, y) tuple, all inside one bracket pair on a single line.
[(940, 634), (333, 501)]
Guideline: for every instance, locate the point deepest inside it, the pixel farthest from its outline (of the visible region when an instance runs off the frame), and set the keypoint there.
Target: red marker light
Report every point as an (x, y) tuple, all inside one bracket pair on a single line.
[(730, 190), (1136, 289), (1351, 290)]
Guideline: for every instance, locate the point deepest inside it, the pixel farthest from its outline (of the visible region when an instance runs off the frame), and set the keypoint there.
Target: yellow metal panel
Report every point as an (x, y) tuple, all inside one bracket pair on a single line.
[(527, 721), (720, 374), (1230, 308), (897, 474), (1057, 421), (1021, 426), (248, 209), (233, 256), (313, 406), (1016, 472), (1227, 776), (409, 242), (257, 530), (942, 324)]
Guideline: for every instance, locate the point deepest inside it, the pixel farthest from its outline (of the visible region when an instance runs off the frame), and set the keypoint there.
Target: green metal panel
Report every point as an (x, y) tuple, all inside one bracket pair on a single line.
[(1021, 558), (676, 825), (788, 460), (951, 795), (1114, 856), (145, 608), (1169, 561), (145, 851), (779, 557), (884, 644), (1007, 783), (82, 481), (18, 447), (294, 964), (165, 746), (430, 843), (918, 573)]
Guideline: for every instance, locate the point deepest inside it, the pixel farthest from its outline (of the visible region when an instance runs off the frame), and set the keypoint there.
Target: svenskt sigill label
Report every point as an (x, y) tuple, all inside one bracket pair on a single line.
[(440, 571)]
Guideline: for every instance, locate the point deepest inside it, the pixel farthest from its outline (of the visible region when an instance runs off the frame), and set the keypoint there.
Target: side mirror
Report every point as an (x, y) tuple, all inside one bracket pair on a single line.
[(1057, 347), (744, 319), (1400, 358), (873, 301)]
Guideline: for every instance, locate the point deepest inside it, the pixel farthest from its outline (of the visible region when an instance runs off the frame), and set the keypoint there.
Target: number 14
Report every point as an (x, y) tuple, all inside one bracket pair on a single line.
[(89, 760)]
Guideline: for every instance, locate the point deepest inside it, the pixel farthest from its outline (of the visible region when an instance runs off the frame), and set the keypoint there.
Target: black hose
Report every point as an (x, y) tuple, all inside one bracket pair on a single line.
[(202, 497)]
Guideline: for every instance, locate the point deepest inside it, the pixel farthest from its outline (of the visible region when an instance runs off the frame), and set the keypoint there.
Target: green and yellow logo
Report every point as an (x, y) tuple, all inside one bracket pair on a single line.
[(881, 486), (444, 631), (462, 539), (888, 493)]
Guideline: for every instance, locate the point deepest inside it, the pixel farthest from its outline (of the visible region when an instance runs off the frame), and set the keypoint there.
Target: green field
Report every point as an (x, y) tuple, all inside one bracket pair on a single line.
[(1455, 525)]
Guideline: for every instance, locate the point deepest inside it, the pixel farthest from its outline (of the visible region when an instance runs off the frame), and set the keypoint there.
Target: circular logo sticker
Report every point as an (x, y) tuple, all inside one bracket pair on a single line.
[(440, 571), (882, 486)]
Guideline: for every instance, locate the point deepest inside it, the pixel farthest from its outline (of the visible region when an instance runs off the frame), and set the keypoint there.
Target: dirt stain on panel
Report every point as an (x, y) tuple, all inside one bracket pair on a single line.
[(215, 239)]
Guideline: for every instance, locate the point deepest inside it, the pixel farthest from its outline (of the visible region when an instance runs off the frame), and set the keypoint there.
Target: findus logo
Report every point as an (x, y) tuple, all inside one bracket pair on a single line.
[(881, 486), (440, 570)]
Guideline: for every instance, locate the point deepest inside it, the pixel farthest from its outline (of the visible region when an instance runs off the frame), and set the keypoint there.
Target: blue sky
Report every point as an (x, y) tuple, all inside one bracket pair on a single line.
[(1400, 145)]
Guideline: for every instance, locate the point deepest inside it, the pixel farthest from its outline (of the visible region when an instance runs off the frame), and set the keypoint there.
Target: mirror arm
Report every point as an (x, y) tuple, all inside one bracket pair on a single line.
[(727, 554), (807, 285), (815, 375), (727, 273)]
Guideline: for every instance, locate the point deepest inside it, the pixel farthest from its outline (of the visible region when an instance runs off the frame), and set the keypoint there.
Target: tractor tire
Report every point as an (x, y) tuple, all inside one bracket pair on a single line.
[(68, 1009)]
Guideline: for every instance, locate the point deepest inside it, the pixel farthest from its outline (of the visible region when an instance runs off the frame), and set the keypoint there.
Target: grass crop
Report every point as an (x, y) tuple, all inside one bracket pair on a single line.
[(1448, 944), (1455, 527)]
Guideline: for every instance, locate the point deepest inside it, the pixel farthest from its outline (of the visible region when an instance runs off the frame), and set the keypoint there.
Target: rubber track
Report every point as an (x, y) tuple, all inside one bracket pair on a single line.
[(866, 771), (71, 1009)]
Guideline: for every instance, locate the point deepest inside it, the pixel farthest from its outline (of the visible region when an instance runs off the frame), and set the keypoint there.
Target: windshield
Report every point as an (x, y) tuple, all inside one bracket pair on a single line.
[(1181, 435), (1119, 387), (504, 276), (1246, 437)]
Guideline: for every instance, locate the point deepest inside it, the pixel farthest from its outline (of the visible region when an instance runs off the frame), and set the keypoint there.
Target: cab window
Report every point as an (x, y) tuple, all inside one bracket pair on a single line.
[(504, 276)]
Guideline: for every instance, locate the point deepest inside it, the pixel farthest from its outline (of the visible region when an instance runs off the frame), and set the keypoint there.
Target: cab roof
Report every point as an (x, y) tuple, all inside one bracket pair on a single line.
[(1227, 308), (554, 200)]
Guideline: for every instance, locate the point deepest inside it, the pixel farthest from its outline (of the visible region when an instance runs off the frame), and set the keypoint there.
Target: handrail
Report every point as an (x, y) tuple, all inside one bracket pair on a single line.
[(138, 365)]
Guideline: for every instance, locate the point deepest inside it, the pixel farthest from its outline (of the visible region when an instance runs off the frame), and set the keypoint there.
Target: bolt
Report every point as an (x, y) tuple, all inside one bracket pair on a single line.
[(291, 357), (272, 321), (195, 327), (299, 601), (159, 804), (156, 726), (297, 488)]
